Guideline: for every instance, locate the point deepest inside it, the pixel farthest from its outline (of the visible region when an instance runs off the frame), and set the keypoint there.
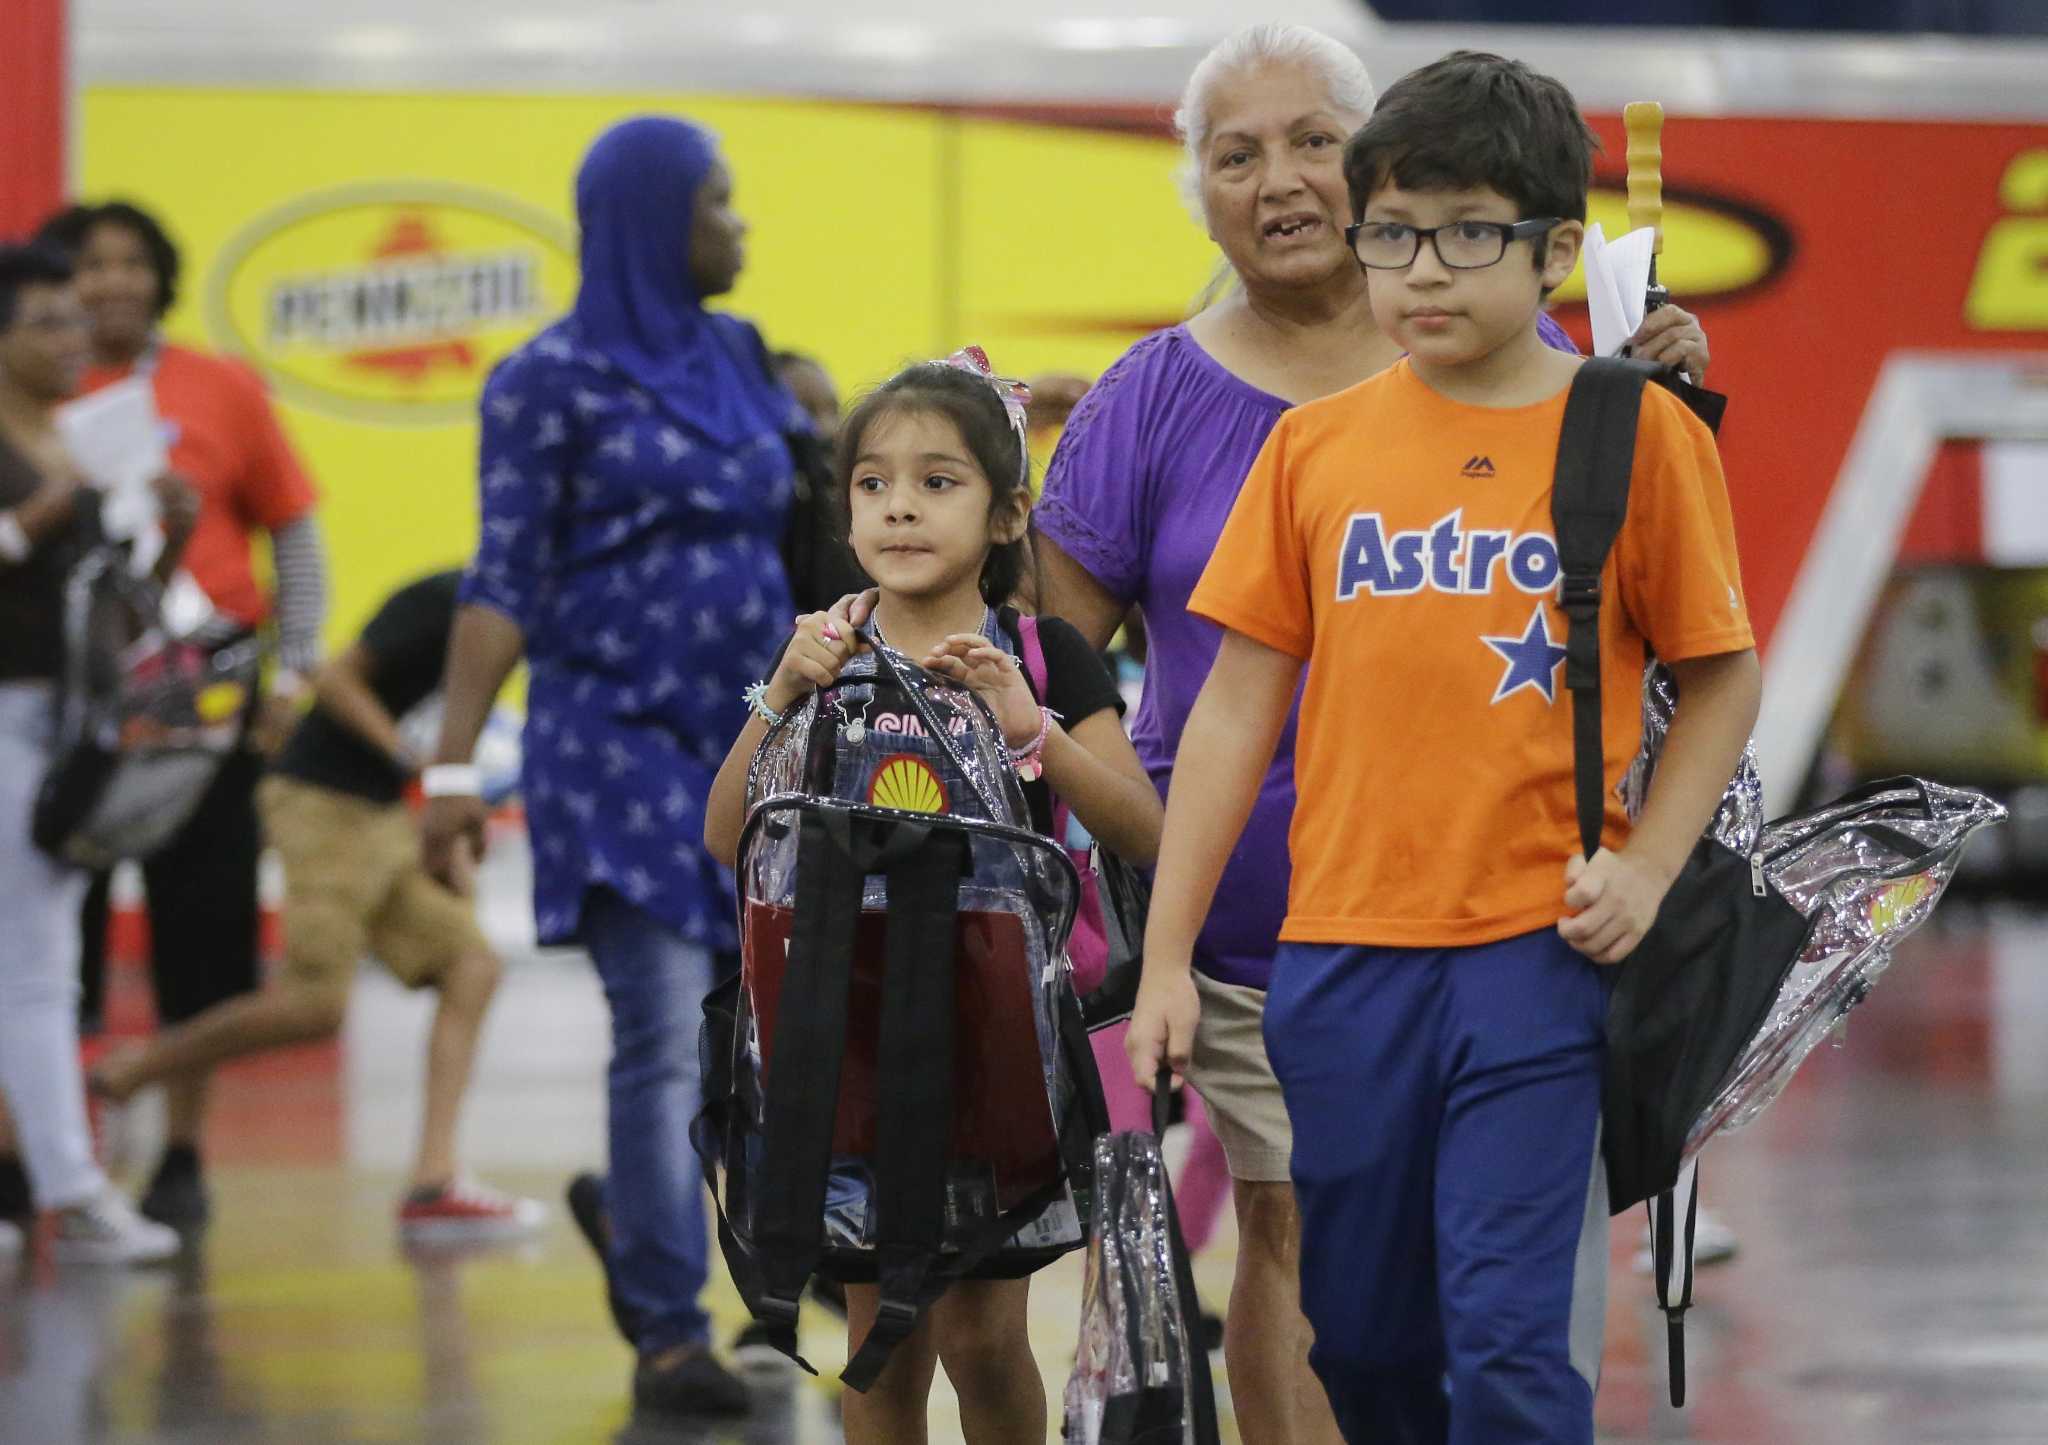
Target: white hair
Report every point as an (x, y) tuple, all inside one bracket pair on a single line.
[(1346, 85)]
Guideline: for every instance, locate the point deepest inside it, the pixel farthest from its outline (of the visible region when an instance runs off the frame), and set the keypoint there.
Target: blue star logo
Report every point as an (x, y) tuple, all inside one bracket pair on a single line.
[(1532, 659)]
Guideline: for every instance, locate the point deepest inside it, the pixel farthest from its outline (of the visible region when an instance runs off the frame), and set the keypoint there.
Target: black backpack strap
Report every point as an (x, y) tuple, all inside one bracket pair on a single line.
[(803, 1082), (1665, 1239), (914, 1128), (1589, 499), (1204, 1428)]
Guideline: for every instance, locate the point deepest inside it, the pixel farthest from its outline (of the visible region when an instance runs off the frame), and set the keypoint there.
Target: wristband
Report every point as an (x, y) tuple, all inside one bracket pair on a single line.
[(756, 697), (452, 780)]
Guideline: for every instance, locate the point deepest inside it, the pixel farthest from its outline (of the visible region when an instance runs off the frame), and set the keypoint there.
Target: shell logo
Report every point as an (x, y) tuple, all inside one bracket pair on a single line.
[(389, 301), (908, 784), (1895, 904)]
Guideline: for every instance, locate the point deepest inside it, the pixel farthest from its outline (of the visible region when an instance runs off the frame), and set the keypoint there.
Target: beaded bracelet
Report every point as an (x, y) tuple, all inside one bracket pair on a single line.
[(1027, 759), (756, 697)]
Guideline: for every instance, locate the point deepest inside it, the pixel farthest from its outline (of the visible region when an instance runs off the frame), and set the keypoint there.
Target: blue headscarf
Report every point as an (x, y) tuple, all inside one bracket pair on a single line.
[(635, 196)]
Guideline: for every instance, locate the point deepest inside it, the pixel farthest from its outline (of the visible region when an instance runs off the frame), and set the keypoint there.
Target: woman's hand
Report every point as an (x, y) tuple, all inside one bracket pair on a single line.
[(1163, 1023), (178, 502), (1671, 336), (972, 660), (818, 651), (50, 506), (452, 840), (851, 612), (1054, 395)]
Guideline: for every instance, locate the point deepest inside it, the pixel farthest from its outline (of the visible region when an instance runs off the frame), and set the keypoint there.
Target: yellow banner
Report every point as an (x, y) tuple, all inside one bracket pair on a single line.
[(374, 255)]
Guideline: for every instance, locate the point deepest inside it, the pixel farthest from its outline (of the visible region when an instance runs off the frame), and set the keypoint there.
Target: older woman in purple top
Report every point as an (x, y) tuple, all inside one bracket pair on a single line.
[(1135, 499)]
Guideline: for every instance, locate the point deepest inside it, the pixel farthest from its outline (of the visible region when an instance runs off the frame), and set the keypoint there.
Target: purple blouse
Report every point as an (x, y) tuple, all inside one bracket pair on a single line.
[(1139, 488)]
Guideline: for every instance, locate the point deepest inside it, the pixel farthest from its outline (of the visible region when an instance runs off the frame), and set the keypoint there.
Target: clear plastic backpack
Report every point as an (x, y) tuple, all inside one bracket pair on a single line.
[(903, 933), (1140, 1376), (145, 719)]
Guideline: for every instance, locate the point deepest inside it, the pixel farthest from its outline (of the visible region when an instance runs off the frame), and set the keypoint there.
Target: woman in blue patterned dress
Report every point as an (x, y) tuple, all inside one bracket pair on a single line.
[(635, 484)]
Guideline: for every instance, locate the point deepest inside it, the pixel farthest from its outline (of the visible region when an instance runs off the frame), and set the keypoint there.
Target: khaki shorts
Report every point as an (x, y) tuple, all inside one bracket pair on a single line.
[(1235, 1079), (353, 884)]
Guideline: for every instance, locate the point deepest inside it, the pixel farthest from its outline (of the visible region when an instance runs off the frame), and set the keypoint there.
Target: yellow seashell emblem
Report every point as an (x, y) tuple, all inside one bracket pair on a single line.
[(907, 783)]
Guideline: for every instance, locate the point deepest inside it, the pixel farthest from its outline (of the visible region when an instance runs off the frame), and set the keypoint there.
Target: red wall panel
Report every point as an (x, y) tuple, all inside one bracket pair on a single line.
[(34, 98)]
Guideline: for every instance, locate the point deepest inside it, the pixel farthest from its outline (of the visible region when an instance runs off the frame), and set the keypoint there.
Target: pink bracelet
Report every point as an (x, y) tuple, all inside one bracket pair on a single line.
[(1026, 759)]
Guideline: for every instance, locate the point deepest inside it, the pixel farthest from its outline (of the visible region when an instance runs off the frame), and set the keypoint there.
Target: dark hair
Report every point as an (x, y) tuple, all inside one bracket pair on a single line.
[(783, 359), (69, 228), (1469, 120), (25, 266), (973, 407)]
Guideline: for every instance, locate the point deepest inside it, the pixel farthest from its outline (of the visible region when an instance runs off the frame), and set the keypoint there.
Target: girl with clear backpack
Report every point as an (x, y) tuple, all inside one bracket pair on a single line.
[(934, 472)]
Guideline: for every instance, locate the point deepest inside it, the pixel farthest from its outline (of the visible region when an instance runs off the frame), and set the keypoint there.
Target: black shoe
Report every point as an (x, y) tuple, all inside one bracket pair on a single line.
[(16, 1203), (762, 1343), (695, 1385), (177, 1195), (586, 1207)]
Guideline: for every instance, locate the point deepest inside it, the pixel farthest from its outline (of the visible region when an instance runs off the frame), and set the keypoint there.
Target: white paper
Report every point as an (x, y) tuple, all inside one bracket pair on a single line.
[(117, 440), (1617, 283), (186, 606)]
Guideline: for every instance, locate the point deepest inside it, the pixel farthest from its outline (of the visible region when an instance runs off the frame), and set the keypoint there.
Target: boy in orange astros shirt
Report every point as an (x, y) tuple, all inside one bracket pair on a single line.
[(1436, 1011)]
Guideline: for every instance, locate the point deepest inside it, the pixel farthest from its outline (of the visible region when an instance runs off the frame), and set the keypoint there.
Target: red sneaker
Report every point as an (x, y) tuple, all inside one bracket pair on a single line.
[(464, 1212)]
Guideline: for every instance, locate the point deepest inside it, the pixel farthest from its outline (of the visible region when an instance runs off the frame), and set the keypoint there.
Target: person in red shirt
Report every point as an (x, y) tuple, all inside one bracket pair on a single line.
[(225, 438)]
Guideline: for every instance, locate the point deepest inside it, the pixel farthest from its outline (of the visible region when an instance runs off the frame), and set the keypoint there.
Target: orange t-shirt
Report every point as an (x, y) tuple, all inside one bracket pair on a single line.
[(1401, 543), (225, 440)]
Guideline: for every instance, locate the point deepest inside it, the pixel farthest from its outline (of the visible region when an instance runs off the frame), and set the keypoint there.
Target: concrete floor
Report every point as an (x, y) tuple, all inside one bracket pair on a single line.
[(1892, 1284)]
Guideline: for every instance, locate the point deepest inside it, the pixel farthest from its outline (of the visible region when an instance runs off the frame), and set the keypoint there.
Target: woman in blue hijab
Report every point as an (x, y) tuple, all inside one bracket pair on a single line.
[(635, 483)]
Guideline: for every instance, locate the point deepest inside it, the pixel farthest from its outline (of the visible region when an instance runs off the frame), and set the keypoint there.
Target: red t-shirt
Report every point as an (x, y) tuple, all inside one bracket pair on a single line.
[(226, 441)]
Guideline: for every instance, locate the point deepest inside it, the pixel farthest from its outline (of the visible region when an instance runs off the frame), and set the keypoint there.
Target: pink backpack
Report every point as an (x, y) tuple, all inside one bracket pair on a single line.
[(1088, 944)]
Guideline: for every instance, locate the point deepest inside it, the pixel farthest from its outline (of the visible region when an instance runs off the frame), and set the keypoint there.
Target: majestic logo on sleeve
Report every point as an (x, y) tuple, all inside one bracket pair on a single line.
[(1450, 558)]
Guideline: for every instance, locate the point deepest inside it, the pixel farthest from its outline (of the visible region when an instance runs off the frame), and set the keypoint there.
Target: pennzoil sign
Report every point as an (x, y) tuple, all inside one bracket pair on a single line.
[(390, 301)]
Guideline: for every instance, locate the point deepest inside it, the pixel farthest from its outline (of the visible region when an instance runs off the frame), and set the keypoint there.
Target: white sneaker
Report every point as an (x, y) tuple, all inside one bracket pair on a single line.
[(10, 1238), (1713, 1242), (107, 1230)]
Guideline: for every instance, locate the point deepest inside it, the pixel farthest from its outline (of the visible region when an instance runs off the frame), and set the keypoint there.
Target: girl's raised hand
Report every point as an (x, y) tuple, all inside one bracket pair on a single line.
[(972, 660), (817, 652)]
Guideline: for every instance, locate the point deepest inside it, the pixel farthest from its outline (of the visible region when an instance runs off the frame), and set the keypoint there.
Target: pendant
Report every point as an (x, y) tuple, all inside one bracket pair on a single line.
[(857, 731), (1029, 770)]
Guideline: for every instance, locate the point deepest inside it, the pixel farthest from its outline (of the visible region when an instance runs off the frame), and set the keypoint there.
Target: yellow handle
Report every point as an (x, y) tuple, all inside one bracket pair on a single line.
[(1644, 122)]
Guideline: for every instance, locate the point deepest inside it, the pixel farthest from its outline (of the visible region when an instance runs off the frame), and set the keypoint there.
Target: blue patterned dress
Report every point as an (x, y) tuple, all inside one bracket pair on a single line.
[(643, 565)]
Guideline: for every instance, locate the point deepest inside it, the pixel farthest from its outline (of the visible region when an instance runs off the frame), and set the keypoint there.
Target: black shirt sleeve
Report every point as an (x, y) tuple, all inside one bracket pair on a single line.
[(408, 639), (1078, 682)]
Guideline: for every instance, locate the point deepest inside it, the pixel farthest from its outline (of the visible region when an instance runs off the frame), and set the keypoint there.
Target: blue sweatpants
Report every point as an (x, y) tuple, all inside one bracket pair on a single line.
[(1446, 1111)]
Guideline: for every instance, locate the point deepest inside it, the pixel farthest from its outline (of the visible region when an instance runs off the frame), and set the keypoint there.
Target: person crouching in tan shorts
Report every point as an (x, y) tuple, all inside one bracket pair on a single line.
[(333, 808)]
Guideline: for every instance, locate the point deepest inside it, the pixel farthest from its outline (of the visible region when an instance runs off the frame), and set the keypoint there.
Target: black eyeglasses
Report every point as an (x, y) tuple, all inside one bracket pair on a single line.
[(1462, 245)]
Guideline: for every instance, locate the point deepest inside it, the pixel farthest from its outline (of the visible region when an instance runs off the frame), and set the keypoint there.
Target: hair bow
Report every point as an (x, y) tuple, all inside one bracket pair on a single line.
[(1013, 394)]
